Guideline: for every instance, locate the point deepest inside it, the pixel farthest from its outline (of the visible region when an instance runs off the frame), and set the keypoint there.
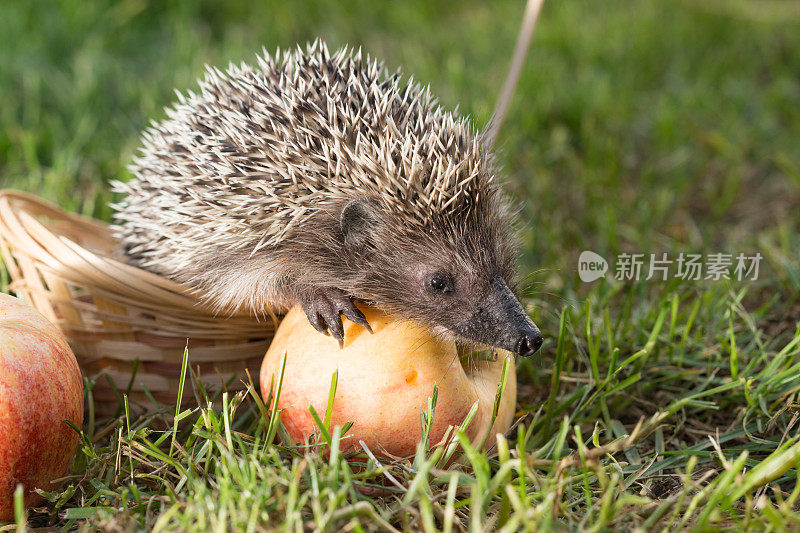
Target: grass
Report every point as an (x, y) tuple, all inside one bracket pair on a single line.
[(639, 127)]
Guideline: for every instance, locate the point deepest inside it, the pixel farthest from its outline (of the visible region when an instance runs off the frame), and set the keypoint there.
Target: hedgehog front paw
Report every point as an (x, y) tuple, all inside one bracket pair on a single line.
[(324, 307)]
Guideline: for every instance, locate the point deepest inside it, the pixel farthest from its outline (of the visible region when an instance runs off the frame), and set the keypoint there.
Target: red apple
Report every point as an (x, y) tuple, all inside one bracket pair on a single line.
[(40, 388), (385, 379)]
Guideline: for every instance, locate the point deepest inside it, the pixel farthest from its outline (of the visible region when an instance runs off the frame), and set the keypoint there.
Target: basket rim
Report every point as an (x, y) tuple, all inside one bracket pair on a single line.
[(23, 232)]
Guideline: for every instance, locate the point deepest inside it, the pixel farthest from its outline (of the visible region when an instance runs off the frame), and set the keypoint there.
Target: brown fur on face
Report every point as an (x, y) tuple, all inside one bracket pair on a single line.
[(466, 252)]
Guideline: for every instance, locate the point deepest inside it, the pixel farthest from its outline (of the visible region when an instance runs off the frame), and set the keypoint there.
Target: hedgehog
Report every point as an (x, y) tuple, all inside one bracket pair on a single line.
[(325, 180)]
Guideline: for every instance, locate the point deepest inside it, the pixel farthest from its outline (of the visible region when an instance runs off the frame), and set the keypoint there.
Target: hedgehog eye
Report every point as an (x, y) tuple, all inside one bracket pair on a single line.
[(439, 284)]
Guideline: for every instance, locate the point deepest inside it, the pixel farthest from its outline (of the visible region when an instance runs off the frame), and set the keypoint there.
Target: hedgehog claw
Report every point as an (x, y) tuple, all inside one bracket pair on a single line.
[(355, 316), (324, 309), (317, 322), (336, 328)]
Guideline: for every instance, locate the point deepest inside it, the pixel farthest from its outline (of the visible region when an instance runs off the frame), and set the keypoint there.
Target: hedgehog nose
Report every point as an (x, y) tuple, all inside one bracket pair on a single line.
[(529, 343)]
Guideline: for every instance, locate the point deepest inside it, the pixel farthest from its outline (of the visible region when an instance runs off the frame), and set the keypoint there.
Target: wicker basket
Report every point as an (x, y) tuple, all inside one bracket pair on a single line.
[(115, 315)]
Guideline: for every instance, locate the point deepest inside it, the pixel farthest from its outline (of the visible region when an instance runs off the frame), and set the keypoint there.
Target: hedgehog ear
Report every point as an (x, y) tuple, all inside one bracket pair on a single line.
[(357, 221)]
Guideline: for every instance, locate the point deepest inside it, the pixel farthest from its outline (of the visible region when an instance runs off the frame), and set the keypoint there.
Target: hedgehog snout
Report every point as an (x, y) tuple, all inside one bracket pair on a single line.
[(499, 320), (529, 342)]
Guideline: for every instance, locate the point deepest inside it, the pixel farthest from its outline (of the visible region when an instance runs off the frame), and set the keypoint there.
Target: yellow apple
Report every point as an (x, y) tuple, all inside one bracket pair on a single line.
[(385, 379), (40, 388)]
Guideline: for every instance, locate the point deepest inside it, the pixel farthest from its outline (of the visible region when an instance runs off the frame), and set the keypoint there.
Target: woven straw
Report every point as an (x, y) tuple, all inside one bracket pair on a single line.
[(116, 316)]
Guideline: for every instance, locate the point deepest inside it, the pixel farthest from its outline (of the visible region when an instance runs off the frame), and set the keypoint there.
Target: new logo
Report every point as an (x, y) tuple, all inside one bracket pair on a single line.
[(591, 266)]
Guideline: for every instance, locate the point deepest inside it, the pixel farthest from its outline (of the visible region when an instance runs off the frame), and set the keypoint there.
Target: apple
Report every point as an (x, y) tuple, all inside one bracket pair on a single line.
[(40, 388), (385, 380)]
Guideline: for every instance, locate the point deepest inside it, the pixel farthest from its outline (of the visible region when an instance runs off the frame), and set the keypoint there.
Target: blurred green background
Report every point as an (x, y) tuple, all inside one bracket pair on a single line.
[(637, 125)]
